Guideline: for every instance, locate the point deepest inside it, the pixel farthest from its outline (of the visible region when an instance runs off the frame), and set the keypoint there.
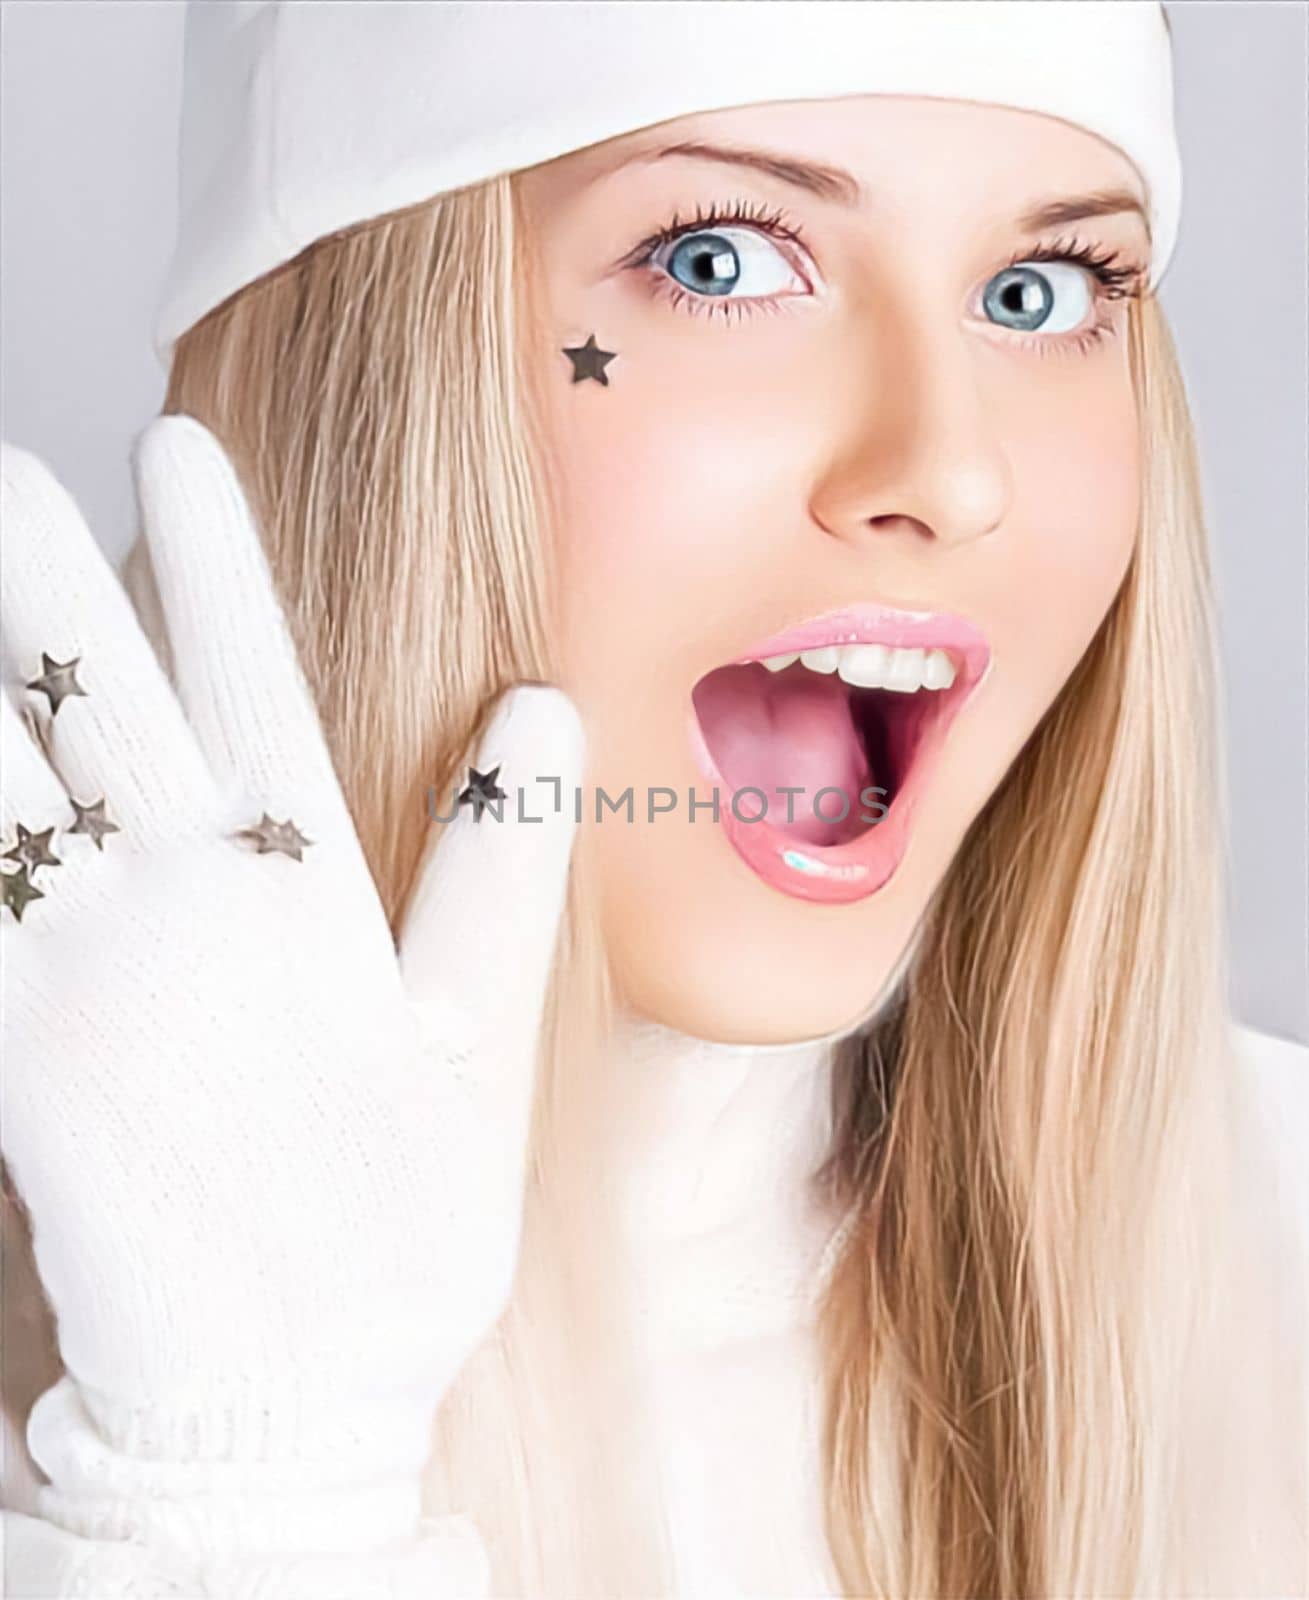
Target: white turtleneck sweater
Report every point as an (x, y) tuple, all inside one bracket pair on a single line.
[(728, 1248)]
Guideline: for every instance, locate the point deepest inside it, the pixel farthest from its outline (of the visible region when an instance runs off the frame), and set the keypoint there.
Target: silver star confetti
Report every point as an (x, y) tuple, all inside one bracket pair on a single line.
[(482, 788), (283, 837), (33, 849), (58, 681), (17, 889), (589, 361), (91, 819)]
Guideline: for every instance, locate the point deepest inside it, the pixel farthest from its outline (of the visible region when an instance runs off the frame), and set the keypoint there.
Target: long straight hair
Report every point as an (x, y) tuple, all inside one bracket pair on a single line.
[(1031, 1146)]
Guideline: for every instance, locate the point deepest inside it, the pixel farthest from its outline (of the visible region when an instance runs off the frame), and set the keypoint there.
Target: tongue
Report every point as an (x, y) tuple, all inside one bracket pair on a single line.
[(793, 730)]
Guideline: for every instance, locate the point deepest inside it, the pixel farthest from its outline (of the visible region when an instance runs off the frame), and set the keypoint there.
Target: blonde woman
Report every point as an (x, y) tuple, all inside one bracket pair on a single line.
[(460, 1159)]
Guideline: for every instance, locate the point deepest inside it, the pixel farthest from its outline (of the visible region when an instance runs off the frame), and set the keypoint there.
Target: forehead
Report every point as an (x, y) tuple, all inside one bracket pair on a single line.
[(889, 153)]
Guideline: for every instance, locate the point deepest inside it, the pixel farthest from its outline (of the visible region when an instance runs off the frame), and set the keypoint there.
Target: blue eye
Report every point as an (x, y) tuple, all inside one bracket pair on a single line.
[(715, 262), (708, 265), (1052, 297)]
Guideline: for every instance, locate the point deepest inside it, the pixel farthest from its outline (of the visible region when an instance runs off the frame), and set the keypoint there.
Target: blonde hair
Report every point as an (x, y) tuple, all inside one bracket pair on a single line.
[(1031, 1143)]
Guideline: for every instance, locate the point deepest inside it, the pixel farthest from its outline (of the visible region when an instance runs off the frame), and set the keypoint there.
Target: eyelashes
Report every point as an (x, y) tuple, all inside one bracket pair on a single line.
[(1116, 278), (1114, 275), (770, 221), (1119, 278)]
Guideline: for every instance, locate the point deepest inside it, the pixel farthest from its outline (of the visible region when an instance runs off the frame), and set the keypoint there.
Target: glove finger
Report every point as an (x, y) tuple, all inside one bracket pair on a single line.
[(31, 796), (478, 942), (30, 790), (124, 736), (235, 662)]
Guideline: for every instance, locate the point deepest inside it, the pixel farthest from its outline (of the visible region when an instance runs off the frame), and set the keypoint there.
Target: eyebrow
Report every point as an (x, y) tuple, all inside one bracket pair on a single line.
[(828, 183), (841, 187)]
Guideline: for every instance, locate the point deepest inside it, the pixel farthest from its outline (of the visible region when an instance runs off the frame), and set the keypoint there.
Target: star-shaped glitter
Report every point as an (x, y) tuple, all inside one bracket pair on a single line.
[(284, 837), (91, 819), (33, 849), (589, 361), (58, 680), (17, 889), (482, 788)]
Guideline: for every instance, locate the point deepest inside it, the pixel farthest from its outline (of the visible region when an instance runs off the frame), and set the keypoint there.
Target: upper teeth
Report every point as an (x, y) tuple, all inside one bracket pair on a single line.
[(875, 666)]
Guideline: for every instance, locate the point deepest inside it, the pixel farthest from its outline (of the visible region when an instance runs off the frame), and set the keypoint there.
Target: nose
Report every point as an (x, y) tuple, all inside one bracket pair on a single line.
[(920, 453)]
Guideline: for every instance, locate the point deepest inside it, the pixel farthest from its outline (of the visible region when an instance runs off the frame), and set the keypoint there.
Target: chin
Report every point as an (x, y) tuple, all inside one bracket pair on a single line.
[(731, 991)]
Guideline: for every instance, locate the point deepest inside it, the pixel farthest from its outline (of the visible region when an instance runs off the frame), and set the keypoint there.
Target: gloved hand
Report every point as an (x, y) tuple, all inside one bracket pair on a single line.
[(274, 1167)]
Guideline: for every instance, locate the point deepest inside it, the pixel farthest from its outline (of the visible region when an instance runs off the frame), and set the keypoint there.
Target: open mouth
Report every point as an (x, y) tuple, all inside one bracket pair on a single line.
[(819, 751)]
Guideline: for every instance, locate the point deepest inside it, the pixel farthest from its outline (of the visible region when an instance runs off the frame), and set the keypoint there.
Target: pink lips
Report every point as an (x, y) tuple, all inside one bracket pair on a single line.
[(908, 630), (840, 874)]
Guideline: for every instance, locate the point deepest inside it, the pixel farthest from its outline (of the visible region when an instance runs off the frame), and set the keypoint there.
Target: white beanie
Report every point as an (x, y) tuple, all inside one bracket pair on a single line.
[(301, 117)]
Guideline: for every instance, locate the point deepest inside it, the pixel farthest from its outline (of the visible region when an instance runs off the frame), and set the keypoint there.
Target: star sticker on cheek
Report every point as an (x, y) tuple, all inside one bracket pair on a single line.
[(482, 788), (589, 361)]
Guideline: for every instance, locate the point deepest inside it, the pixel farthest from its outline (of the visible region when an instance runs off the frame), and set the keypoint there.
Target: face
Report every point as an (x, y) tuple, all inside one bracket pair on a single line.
[(860, 487)]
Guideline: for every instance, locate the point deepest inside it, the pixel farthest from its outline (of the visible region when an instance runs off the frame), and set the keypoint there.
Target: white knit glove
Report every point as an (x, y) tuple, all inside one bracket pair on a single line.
[(274, 1169)]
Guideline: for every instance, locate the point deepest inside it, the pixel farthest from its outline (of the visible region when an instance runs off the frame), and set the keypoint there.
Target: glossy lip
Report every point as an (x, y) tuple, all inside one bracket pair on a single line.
[(840, 874), (909, 630)]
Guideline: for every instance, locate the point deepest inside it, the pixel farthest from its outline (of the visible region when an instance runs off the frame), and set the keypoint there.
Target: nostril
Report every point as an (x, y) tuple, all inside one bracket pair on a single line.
[(893, 522)]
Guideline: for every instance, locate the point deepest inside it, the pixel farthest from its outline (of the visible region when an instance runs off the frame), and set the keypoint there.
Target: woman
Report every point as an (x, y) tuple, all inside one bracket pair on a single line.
[(749, 400)]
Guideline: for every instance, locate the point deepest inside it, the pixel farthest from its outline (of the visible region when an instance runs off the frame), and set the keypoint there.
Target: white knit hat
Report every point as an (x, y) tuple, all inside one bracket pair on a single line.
[(301, 117)]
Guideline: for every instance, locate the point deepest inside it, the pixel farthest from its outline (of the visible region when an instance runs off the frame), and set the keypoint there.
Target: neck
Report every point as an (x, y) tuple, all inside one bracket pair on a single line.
[(721, 1224)]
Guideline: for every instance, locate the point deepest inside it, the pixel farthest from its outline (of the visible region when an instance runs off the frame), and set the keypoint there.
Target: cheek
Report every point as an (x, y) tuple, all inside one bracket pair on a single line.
[(1077, 510), (662, 492), (1047, 583)]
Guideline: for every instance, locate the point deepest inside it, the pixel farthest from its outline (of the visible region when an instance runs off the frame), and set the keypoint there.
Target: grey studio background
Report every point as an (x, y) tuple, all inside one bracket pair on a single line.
[(90, 93)]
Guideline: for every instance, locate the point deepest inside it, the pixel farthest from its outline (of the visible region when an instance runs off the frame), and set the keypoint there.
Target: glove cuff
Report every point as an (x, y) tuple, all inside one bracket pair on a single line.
[(298, 1469)]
